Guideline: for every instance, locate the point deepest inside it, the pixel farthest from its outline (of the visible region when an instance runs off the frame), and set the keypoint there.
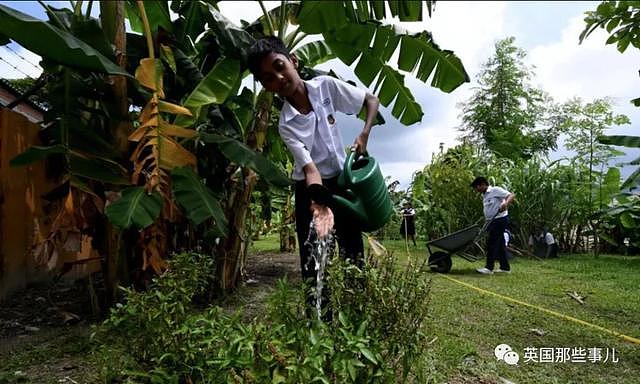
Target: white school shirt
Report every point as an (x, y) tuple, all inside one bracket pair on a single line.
[(314, 137), (491, 200), (548, 238)]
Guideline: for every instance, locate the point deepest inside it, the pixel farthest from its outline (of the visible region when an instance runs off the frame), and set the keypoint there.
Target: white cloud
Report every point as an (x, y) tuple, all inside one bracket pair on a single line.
[(590, 70)]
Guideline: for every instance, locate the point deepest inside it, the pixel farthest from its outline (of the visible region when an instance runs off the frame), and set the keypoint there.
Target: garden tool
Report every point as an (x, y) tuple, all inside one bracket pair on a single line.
[(365, 196)]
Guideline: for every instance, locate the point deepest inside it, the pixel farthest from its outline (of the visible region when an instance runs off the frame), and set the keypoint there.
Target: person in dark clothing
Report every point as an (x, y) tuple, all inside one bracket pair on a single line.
[(495, 201), (408, 226)]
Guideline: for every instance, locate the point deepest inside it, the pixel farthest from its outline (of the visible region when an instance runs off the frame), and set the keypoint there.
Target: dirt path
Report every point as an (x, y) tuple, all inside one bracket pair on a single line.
[(44, 330)]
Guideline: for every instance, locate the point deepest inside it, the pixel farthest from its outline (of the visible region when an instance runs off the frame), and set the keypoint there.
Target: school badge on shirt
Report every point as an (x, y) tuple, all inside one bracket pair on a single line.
[(331, 120)]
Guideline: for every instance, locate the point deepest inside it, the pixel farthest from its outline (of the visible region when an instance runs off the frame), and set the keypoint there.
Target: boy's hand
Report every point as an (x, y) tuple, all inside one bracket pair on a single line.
[(360, 144), (323, 219)]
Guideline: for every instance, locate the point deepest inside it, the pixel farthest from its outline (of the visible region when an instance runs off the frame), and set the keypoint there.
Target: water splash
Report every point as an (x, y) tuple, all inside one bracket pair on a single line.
[(321, 251)]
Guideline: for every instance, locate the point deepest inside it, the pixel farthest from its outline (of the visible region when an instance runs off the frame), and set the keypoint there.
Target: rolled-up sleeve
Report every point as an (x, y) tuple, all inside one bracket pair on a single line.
[(301, 154), (346, 97)]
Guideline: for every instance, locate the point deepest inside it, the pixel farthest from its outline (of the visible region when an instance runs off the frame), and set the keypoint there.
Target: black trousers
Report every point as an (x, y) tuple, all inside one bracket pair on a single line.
[(348, 232), (495, 244)]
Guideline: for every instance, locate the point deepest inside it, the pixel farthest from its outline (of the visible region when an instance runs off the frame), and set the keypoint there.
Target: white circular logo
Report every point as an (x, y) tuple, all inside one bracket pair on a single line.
[(511, 358), (501, 350)]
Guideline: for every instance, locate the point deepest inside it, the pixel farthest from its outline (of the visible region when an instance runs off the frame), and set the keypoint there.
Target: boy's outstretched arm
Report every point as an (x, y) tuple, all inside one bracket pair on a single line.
[(322, 214), (371, 103)]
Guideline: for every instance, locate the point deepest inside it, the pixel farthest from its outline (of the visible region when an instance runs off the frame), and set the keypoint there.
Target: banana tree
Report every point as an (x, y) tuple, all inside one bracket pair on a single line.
[(88, 163), (345, 31), (197, 138)]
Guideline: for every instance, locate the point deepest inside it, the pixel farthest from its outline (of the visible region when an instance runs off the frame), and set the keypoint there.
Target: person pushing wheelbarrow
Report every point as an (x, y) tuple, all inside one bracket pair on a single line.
[(495, 201)]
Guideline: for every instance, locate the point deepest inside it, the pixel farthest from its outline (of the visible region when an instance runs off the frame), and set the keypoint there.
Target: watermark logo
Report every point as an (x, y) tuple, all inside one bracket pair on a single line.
[(505, 353), (556, 355)]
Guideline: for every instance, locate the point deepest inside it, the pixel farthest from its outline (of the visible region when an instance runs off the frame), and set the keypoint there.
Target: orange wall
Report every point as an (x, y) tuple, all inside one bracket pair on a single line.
[(20, 189), (21, 215)]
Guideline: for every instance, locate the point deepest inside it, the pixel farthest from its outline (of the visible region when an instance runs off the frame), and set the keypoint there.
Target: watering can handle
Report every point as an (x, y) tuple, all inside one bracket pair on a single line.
[(351, 158)]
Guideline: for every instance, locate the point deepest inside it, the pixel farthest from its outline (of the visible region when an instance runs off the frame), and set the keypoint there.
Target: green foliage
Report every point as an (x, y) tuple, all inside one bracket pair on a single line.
[(216, 86), (554, 195), (376, 335), (355, 34), (443, 198), (619, 19), (633, 181), (135, 208), (54, 43), (241, 154), (196, 199), (506, 113), (147, 325)]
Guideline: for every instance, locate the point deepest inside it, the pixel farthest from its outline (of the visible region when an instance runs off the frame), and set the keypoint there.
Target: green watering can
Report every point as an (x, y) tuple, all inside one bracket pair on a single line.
[(365, 195)]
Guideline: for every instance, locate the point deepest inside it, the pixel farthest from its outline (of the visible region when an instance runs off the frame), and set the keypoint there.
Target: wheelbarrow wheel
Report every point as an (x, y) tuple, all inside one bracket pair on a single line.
[(440, 262)]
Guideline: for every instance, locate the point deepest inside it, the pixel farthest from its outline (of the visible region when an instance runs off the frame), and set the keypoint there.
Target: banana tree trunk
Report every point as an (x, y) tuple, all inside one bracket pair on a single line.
[(232, 252), (112, 20)]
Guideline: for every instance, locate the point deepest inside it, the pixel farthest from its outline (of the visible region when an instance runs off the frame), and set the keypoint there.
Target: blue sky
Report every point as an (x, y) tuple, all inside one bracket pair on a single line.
[(548, 31)]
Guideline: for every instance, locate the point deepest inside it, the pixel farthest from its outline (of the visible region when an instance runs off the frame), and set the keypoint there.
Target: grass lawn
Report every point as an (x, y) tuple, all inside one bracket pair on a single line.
[(467, 325)]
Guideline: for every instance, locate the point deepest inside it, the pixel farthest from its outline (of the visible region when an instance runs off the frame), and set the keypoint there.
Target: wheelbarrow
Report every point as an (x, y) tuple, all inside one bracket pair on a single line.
[(464, 243)]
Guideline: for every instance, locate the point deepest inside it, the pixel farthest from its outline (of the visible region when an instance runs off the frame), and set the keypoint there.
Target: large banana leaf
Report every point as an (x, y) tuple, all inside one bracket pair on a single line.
[(157, 13), (314, 53), (625, 141), (349, 32), (621, 140), (234, 41), (241, 154), (196, 199), (353, 40), (96, 168), (53, 43), (278, 20), (321, 16), (216, 86), (135, 208)]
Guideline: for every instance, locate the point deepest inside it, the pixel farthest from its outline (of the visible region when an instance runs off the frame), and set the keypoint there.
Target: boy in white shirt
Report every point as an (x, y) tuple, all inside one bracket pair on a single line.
[(495, 201), (308, 128)]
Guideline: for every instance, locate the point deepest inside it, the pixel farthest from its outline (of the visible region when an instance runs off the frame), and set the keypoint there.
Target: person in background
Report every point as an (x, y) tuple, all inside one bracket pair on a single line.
[(495, 201), (507, 243), (550, 242), (408, 226)]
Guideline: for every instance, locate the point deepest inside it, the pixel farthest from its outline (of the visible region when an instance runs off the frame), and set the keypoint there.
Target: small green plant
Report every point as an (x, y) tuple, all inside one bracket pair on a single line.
[(376, 334)]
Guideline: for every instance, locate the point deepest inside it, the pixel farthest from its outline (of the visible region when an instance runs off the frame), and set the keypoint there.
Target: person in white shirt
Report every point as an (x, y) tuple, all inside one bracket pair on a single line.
[(550, 242), (495, 201), (309, 129)]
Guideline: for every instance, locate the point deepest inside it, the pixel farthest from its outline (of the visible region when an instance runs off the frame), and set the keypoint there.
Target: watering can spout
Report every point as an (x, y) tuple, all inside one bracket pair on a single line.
[(365, 195)]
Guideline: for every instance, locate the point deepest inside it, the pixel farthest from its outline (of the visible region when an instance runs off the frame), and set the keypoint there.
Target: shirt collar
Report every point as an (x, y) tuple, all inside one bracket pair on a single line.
[(289, 111)]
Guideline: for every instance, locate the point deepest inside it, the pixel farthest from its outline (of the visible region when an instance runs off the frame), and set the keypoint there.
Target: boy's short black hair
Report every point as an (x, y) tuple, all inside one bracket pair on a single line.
[(478, 181), (261, 49)]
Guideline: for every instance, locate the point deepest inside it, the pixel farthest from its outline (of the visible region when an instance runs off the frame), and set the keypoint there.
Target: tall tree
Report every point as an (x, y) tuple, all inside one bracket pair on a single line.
[(621, 19), (505, 111), (584, 123)]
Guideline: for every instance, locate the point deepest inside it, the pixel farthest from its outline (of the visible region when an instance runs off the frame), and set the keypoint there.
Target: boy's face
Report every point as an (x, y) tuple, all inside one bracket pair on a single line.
[(482, 188), (278, 74)]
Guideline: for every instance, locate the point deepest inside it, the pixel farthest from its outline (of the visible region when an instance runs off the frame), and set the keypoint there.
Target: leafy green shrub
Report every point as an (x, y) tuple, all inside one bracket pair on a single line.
[(376, 335)]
